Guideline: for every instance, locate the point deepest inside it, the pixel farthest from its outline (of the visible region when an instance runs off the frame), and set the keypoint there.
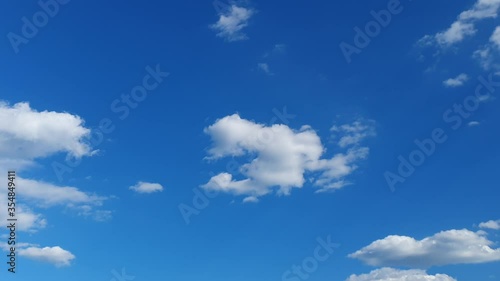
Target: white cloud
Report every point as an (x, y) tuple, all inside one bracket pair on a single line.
[(27, 220), (26, 134), (53, 255), (495, 37), (457, 81), (464, 26), (482, 9), (251, 199), (46, 194), (281, 157), (232, 22), (487, 55), (456, 33), (444, 248), (390, 274), (490, 225), (43, 194), (265, 68), (146, 187)]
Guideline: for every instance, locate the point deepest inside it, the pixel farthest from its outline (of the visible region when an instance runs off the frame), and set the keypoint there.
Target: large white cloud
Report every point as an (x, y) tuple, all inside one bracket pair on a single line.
[(281, 157), (464, 26), (27, 134), (232, 22), (391, 274), (444, 248)]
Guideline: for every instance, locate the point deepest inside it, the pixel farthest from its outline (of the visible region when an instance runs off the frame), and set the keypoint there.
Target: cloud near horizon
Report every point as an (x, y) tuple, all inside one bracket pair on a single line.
[(391, 274), (444, 248)]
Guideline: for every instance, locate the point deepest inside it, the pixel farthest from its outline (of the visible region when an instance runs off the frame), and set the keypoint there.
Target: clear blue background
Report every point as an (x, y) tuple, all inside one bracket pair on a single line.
[(93, 51)]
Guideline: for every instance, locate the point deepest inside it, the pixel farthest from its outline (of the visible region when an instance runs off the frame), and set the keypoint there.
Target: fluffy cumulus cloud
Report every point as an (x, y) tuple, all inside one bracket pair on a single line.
[(231, 23), (495, 225), (280, 158), (444, 248), (27, 134), (390, 274), (53, 255), (464, 26), (457, 81), (146, 187)]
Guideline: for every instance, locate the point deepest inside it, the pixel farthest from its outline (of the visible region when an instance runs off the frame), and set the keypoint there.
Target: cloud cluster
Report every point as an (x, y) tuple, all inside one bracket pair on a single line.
[(27, 135), (232, 22), (391, 274), (280, 157)]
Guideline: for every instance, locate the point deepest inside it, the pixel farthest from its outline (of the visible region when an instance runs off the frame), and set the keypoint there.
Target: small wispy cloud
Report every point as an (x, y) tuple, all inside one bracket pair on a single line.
[(265, 68), (277, 49), (457, 81), (473, 124), (146, 187), (232, 22)]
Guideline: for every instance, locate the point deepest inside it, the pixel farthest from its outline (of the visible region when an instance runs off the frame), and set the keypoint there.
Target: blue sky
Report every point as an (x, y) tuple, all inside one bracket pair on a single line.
[(251, 140)]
